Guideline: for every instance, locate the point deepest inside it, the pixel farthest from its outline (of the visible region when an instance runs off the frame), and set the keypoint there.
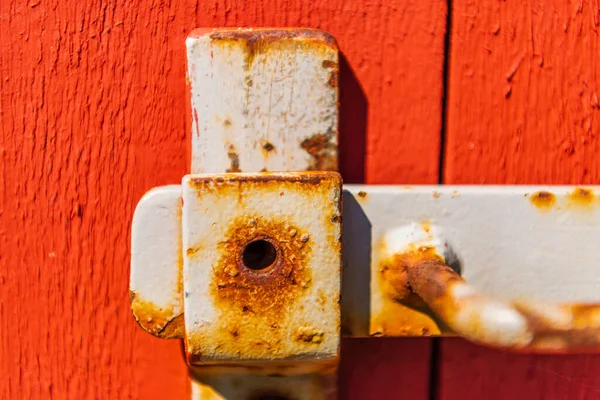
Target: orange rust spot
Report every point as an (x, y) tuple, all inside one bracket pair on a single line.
[(265, 41), (333, 74), (252, 300), (403, 311), (543, 200), (322, 150), (268, 147), (581, 197), (322, 299), (426, 225), (308, 335), (258, 308), (305, 182), (436, 195), (234, 160), (399, 319), (155, 320), (394, 271)]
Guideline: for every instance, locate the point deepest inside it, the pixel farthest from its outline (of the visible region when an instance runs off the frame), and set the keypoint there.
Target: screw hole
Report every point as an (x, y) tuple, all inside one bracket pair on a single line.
[(259, 254)]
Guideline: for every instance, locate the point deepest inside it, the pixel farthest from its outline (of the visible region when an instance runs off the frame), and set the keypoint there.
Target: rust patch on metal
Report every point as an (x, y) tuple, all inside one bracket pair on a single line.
[(322, 150), (548, 328), (362, 197), (309, 335), (265, 41), (308, 178), (543, 200), (436, 195), (333, 79), (258, 306), (248, 298), (155, 320), (234, 160), (581, 198), (426, 225), (268, 147), (404, 312)]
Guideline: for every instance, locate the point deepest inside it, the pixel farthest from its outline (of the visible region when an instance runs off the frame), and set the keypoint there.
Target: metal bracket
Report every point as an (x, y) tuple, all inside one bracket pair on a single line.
[(243, 263)]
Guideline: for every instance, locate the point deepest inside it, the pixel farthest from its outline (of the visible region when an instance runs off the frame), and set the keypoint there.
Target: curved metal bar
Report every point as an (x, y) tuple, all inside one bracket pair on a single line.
[(423, 260)]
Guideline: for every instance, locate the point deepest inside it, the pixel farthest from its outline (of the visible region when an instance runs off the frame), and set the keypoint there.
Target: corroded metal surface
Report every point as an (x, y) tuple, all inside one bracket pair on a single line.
[(536, 243), (417, 262), (287, 309), (155, 289), (511, 242), (263, 100)]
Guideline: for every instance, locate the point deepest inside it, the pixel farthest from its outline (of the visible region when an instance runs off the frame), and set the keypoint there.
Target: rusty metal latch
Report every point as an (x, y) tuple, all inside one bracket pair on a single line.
[(260, 271)]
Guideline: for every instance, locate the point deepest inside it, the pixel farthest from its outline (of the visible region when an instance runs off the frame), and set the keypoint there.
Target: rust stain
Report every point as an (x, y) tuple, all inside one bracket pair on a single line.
[(543, 200), (581, 198), (307, 180), (270, 289), (426, 225), (254, 304), (154, 319), (322, 150), (362, 197), (404, 313), (268, 147), (421, 272), (234, 160), (309, 335), (333, 79), (265, 41), (252, 300), (436, 195)]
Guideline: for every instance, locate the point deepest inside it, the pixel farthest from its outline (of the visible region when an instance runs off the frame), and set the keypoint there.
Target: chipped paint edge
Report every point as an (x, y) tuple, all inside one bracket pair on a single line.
[(156, 265)]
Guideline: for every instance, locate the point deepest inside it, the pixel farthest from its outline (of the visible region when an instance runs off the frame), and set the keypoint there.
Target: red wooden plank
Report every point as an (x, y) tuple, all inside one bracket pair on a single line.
[(473, 372), (385, 369), (92, 108), (523, 108)]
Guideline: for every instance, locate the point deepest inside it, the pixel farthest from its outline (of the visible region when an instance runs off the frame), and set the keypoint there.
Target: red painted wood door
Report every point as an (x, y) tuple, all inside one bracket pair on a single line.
[(92, 114), (522, 107)]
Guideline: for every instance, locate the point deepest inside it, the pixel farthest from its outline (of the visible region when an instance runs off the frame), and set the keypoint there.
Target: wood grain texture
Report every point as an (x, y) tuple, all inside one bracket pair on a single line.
[(523, 93), (92, 114), (384, 369), (522, 108)]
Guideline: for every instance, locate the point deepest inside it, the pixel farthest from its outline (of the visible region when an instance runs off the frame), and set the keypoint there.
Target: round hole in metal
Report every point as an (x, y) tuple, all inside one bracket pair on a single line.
[(259, 254)]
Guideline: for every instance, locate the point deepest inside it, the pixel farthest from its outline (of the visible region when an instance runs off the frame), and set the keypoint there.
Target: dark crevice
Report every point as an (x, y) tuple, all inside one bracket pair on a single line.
[(434, 371), (436, 343), (445, 81)]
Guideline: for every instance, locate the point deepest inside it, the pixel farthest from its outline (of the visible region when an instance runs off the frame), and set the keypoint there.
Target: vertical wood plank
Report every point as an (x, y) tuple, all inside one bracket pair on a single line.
[(523, 108), (93, 111)]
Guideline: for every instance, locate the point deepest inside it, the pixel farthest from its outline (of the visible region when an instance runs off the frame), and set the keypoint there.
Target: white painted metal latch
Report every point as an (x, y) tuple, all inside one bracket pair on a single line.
[(249, 259)]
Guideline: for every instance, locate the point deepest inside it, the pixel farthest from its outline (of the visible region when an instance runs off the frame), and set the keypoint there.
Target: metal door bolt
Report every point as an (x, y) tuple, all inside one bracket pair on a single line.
[(243, 262)]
